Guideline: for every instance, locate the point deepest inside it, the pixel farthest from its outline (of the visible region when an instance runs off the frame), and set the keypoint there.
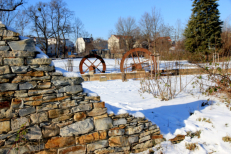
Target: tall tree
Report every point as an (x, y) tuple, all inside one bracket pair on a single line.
[(203, 31), (10, 5)]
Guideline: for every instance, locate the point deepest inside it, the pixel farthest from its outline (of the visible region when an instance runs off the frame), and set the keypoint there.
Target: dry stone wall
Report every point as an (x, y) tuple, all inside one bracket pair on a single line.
[(54, 113)]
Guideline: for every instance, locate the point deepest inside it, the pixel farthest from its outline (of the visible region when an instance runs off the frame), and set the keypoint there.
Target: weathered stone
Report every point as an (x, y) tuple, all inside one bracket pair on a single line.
[(2, 43), (62, 118), (17, 123), (35, 73), (46, 107), (44, 85), (177, 138), (97, 112), (99, 105), (121, 121), (48, 151), (71, 89), (8, 86), (17, 54), (21, 93), (1, 61), (4, 80), (81, 149), (64, 81), (4, 127), (103, 124), (116, 132), (55, 74), (80, 127), (19, 69), (97, 145), (134, 130), (146, 144), (26, 111), (27, 85), (145, 138), (82, 107), (15, 103), (95, 98), (60, 94), (55, 113), (7, 33), (152, 127), (33, 103), (39, 117), (14, 61), (80, 116), (11, 38), (133, 139), (4, 48), (7, 94), (39, 61), (56, 99), (21, 79), (118, 141), (104, 150), (68, 104), (34, 133), (41, 78), (50, 131), (59, 142), (63, 124), (45, 68), (2, 26), (4, 70), (37, 147), (52, 96), (7, 76), (22, 45), (4, 104), (157, 136), (89, 138), (101, 116), (33, 98), (39, 92), (125, 115), (20, 149)]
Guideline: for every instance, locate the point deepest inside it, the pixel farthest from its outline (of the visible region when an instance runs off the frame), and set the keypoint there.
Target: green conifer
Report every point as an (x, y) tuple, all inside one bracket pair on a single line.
[(203, 31)]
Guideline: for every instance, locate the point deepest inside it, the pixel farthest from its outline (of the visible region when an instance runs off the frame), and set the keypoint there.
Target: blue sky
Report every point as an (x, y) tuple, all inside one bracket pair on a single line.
[(99, 16)]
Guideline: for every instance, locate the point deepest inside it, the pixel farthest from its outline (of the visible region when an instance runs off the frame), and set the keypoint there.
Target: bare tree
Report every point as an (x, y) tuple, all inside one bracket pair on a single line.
[(226, 38), (100, 44), (39, 16), (10, 5), (22, 21), (78, 27)]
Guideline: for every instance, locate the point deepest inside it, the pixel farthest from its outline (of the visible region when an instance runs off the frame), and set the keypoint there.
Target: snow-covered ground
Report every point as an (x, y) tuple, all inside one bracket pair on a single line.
[(173, 116)]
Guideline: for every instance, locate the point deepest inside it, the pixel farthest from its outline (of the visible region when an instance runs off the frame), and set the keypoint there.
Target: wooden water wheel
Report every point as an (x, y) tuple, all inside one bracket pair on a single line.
[(92, 62)]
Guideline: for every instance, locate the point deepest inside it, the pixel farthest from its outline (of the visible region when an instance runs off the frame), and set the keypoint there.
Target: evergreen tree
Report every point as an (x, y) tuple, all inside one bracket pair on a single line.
[(203, 31)]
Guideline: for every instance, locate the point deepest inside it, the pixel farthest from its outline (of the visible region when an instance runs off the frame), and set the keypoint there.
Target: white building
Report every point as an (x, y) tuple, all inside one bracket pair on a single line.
[(81, 44)]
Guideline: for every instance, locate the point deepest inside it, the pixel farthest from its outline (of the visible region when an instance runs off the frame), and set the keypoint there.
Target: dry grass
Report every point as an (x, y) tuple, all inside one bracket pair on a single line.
[(226, 138), (191, 146)]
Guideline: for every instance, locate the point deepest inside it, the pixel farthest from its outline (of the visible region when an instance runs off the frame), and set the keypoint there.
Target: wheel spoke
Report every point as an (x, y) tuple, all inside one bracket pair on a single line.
[(90, 61), (86, 64), (127, 67), (98, 70), (86, 69), (95, 60), (138, 56), (133, 58), (98, 64)]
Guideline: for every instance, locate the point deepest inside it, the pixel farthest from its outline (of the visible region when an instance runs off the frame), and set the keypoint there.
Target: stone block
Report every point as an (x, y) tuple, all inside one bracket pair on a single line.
[(82, 107), (34, 133), (21, 93), (19, 69), (50, 131), (33, 103), (48, 151), (80, 116), (134, 130), (22, 45), (43, 78), (101, 116), (17, 54), (40, 92), (34, 74), (15, 103), (4, 80), (11, 38), (55, 113), (37, 147), (4, 104), (146, 144), (89, 138), (97, 145), (7, 33), (4, 70), (44, 85), (7, 94), (17, 123), (27, 85), (18, 79), (14, 61), (26, 111), (8, 86), (7, 76), (39, 61), (133, 139), (81, 149), (46, 107), (4, 127), (33, 98), (4, 48), (103, 124), (118, 141), (99, 105), (95, 98), (45, 68), (97, 112), (77, 128), (116, 132), (59, 142), (62, 118), (39, 117), (2, 26), (2, 43), (121, 121), (68, 104), (71, 89), (145, 138), (64, 81)]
